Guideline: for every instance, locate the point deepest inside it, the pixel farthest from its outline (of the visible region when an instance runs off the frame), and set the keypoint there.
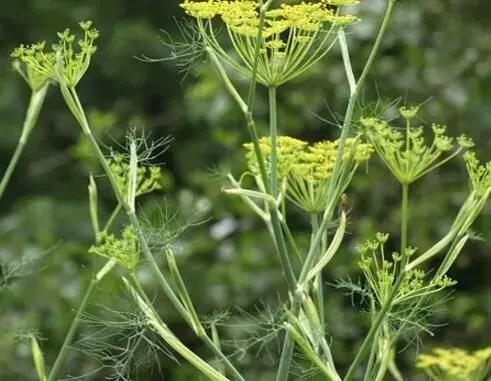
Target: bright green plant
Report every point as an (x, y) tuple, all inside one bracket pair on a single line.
[(271, 43)]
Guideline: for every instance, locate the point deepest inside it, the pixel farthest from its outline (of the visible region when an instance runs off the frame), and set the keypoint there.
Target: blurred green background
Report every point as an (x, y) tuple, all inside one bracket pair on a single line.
[(436, 52)]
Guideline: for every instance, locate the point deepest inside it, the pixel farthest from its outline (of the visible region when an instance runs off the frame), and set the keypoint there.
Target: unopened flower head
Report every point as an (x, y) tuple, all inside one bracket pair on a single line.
[(405, 151), (148, 178), (66, 61), (293, 37), (125, 250)]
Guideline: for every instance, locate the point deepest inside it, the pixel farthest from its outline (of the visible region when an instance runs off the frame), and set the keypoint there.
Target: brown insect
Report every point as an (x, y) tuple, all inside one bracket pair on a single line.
[(343, 204)]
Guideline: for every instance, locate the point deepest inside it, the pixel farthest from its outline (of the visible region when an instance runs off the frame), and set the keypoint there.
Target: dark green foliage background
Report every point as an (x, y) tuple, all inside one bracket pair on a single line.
[(437, 52)]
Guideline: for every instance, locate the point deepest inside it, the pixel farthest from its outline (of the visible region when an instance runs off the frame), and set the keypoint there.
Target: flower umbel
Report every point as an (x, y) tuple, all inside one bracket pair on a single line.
[(66, 61), (306, 170), (406, 154), (479, 174), (381, 274), (456, 364), (293, 38)]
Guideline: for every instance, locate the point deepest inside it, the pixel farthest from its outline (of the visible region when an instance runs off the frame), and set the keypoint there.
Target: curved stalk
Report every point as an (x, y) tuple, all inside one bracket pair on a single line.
[(206, 339), (35, 105)]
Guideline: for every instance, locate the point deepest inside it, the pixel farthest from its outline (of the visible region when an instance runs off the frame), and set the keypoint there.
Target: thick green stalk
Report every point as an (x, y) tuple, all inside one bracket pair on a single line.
[(35, 104), (276, 224), (53, 374), (273, 134), (286, 358), (251, 125), (384, 363), (289, 344)]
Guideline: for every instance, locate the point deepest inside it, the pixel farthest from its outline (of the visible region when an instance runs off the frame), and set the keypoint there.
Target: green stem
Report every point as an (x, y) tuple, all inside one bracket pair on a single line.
[(383, 366), (317, 288), (53, 374), (131, 214), (374, 329), (273, 133), (337, 168), (275, 220), (80, 116), (206, 339), (404, 219), (113, 216), (286, 358), (346, 129), (35, 104)]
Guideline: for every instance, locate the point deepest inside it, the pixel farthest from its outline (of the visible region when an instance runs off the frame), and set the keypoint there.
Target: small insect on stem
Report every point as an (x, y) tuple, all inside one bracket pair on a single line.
[(343, 204)]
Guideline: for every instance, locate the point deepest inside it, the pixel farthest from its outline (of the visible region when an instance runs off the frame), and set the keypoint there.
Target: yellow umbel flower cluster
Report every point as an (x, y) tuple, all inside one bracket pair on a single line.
[(456, 364), (292, 37), (307, 169)]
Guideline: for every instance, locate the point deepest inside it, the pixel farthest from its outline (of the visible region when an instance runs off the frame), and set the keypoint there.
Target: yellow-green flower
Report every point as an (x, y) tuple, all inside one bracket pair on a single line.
[(381, 271), (456, 364), (293, 37), (125, 250), (307, 169), (66, 61), (405, 151)]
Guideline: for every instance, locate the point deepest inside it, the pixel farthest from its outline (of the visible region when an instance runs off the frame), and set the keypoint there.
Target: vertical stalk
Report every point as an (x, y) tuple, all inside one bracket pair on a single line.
[(374, 329), (273, 133), (276, 224), (404, 219), (347, 124), (53, 374), (384, 363), (35, 104), (317, 288), (286, 358)]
